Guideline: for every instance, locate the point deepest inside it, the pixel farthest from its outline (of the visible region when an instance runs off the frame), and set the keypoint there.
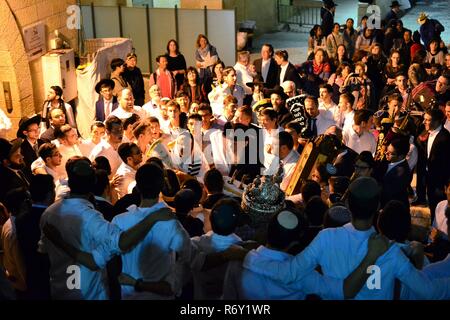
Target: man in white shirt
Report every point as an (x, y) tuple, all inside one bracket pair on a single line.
[(243, 75), (164, 251), (346, 112), (108, 147), (327, 104), (208, 283), (68, 138), (48, 162), (359, 138), (126, 106), (318, 122), (131, 157), (97, 133), (152, 107), (86, 241), (338, 251), (283, 231)]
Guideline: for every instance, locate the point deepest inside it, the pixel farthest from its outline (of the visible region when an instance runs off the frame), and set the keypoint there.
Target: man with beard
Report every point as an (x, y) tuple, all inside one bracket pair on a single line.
[(11, 166)]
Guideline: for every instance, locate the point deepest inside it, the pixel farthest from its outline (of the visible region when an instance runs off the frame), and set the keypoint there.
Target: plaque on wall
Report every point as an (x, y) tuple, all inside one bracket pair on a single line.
[(34, 40)]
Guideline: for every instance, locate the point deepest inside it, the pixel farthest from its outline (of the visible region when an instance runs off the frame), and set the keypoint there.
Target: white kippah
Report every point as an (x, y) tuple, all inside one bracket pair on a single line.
[(287, 220)]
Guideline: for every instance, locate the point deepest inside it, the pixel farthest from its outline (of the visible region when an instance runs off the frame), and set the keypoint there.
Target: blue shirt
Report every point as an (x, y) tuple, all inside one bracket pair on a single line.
[(242, 284), (154, 258), (339, 251)]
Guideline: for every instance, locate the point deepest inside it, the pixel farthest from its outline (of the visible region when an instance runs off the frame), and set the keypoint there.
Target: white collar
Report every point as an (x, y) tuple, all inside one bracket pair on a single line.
[(435, 131), (393, 164)]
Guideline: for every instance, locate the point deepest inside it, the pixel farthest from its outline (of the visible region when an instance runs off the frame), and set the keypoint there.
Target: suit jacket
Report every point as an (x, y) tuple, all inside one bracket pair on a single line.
[(438, 163), (272, 74), (48, 135), (100, 108), (9, 180), (291, 74), (395, 184), (29, 155)]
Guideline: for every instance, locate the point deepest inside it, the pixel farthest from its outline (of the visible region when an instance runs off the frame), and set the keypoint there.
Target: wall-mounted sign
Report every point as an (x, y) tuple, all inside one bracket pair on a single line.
[(34, 40)]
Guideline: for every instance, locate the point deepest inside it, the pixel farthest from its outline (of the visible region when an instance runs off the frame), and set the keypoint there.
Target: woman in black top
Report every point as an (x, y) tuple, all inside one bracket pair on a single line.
[(133, 76), (176, 62)]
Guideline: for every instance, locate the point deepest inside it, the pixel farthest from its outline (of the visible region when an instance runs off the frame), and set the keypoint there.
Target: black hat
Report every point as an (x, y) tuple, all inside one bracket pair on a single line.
[(395, 4), (171, 186), (278, 90), (25, 122), (108, 82), (5, 149), (256, 80), (329, 3)]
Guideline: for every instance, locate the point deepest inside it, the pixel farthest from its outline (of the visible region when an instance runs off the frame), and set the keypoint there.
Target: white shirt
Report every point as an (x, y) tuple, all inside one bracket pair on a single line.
[(447, 125), (219, 93), (431, 138), (128, 175), (86, 146), (243, 284), (209, 284), (440, 221), (106, 150), (330, 111), (359, 143), (265, 65), (283, 72), (220, 153), (151, 109), (242, 77), (154, 258), (289, 164), (67, 152), (348, 120), (84, 228), (107, 107), (323, 123), (339, 251), (122, 114)]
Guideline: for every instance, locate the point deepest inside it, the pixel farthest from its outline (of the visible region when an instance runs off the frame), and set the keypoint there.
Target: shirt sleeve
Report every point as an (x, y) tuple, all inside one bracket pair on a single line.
[(418, 282), (323, 286), (106, 235)]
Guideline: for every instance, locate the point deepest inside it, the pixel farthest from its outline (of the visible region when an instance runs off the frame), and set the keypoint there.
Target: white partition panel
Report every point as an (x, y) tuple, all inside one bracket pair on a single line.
[(106, 22), (222, 34), (162, 28), (135, 28), (191, 23)]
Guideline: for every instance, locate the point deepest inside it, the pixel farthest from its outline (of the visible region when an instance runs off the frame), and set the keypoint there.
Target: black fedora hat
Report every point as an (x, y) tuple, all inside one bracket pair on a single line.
[(278, 90), (257, 80), (25, 122), (108, 82), (395, 4), (329, 3)]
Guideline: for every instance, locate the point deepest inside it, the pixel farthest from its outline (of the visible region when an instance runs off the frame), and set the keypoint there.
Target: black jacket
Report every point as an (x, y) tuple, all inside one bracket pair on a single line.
[(272, 74), (292, 75), (395, 184)]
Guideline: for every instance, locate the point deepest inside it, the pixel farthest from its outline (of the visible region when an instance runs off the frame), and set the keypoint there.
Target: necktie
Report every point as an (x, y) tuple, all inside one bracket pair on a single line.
[(314, 127), (36, 148)]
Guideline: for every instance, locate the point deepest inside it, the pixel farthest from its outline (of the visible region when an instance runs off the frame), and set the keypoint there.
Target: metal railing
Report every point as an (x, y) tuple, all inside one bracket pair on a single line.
[(303, 13)]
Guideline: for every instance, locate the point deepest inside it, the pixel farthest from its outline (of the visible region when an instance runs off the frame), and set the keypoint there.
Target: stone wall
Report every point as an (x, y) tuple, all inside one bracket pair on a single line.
[(25, 78)]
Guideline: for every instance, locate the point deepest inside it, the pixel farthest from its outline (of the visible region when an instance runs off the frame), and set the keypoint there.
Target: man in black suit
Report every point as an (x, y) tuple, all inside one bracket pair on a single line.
[(266, 66), (11, 165), (106, 102), (434, 157), (396, 179), (286, 69), (29, 132), (57, 119)]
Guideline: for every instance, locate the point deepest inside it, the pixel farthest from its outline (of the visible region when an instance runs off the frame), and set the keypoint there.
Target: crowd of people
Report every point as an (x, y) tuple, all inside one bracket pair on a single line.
[(149, 205)]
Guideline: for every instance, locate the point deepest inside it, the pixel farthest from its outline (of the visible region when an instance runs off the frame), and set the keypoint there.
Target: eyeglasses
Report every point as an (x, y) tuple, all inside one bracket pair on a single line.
[(391, 153)]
